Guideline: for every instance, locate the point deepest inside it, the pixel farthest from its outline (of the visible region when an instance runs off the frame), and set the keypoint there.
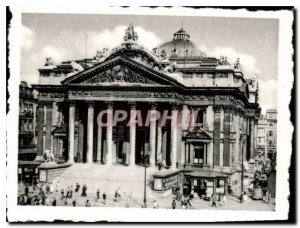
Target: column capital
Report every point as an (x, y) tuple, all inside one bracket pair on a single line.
[(175, 106), (90, 104), (49, 104), (132, 105), (217, 108), (41, 104), (110, 104), (228, 109), (153, 105), (72, 103)]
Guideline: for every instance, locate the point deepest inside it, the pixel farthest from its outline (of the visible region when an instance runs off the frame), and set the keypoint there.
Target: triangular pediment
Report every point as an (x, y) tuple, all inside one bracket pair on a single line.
[(197, 134), (120, 70)]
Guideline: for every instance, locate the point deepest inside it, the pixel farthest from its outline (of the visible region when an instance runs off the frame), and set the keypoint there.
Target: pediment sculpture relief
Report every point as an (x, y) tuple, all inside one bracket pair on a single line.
[(121, 74)]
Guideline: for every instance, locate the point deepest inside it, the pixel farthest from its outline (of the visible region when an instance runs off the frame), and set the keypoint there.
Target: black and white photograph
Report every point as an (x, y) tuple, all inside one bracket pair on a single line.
[(167, 113)]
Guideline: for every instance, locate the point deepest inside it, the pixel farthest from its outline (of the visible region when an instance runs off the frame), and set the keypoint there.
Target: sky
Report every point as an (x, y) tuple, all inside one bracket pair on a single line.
[(69, 36)]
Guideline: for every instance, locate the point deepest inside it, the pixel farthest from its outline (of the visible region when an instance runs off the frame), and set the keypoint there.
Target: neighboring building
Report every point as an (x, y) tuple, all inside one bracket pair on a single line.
[(27, 122), (176, 77), (261, 142), (271, 133)]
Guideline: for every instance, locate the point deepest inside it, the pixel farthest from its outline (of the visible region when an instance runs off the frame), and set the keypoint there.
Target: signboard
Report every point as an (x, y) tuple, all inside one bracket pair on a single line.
[(209, 183), (157, 184), (43, 176)]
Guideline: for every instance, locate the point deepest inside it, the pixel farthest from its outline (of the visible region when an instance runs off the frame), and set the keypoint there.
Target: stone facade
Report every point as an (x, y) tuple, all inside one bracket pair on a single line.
[(214, 94)]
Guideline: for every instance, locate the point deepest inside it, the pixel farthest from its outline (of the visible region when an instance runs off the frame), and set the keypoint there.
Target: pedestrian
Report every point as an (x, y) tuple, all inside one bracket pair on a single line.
[(104, 197), (270, 197), (267, 197), (174, 204), (74, 203), (26, 190), (66, 201), (242, 198), (188, 202), (54, 202), (57, 186), (155, 204), (116, 196), (47, 202), (77, 188), (182, 199), (71, 192), (98, 193), (224, 200), (51, 188), (68, 193), (47, 189), (87, 204), (213, 197), (62, 193)]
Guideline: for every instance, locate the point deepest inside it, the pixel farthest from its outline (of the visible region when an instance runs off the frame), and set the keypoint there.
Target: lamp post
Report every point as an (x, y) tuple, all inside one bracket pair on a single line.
[(242, 174), (145, 181)]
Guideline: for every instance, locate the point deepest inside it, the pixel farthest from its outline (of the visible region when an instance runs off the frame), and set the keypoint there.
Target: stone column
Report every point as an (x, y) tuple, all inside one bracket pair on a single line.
[(99, 143), (210, 151), (159, 142), (90, 132), (152, 133), (71, 131), (49, 106), (40, 123), (174, 136), (217, 135), (132, 133), (251, 138), (109, 132)]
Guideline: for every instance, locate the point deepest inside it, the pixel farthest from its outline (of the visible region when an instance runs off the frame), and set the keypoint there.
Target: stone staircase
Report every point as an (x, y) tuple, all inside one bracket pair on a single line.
[(108, 178)]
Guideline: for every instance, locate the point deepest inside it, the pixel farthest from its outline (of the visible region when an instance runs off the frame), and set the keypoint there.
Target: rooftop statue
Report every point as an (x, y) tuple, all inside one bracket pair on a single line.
[(130, 34), (237, 64), (49, 61), (223, 60), (101, 54)]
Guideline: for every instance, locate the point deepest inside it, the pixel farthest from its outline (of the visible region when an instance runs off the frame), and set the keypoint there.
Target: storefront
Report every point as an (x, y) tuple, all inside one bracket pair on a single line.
[(204, 184), (28, 171)]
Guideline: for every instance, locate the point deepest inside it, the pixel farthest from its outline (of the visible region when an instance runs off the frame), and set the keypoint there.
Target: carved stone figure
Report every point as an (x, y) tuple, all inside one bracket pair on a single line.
[(48, 156), (223, 60), (49, 61), (170, 68), (101, 54), (130, 34), (120, 74), (237, 64)]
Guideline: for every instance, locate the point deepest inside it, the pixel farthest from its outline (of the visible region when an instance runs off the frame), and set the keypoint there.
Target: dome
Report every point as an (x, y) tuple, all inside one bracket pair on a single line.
[(180, 46)]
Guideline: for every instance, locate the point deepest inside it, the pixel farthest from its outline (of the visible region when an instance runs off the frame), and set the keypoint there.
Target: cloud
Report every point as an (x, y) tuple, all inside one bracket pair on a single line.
[(248, 62), (111, 38), (27, 38), (55, 54), (267, 94), (147, 39)]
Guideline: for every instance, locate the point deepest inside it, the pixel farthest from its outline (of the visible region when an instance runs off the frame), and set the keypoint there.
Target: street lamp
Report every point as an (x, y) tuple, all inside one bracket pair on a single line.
[(145, 180)]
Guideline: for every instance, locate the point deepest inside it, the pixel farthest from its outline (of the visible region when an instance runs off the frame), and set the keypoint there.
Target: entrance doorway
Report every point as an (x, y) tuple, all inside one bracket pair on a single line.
[(199, 154), (121, 133), (141, 146)]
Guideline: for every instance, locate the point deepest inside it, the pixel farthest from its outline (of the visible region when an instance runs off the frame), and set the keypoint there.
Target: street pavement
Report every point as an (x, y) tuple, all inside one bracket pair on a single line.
[(130, 181)]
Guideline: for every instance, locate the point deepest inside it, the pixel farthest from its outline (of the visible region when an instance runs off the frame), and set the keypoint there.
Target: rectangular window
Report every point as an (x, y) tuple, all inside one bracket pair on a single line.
[(270, 133)]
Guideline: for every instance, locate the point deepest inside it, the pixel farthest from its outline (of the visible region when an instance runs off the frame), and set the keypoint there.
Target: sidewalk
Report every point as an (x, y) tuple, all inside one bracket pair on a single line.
[(126, 200)]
